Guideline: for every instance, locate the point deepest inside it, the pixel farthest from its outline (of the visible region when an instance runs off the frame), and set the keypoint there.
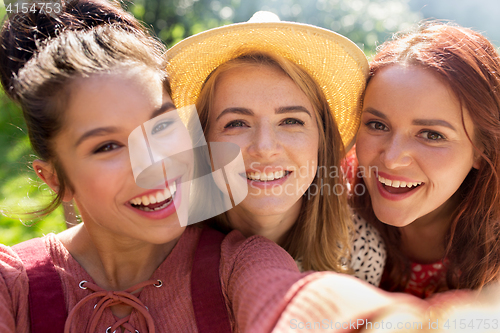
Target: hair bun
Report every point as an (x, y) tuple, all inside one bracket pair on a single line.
[(23, 34)]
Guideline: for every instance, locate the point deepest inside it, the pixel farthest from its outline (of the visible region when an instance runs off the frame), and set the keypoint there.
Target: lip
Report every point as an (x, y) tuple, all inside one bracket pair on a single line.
[(404, 179), (266, 169), (165, 212), (157, 188), (267, 184), (395, 196)]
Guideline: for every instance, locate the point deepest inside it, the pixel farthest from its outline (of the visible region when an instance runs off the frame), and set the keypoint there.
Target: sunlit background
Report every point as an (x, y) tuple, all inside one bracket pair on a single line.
[(367, 22)]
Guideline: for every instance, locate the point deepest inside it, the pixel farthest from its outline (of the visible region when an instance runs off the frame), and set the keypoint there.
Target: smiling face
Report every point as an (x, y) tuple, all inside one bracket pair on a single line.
[(412, 137), (267, 115), (93, 150)]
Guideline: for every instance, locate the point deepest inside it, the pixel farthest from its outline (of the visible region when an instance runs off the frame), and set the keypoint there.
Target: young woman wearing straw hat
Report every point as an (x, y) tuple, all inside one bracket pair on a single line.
[(289, 95)]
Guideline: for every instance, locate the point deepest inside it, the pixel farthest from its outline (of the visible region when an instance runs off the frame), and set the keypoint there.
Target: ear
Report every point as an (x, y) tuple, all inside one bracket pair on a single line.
[(46, 172), (477, 162), (478, 158)]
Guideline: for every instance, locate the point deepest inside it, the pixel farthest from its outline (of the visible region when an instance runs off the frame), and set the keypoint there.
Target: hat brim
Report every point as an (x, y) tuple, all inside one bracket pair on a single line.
[(338, 66)]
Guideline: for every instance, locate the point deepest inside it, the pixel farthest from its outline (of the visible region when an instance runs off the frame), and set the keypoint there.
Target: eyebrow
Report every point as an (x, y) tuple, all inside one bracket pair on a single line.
[(433, 122), (248, 112), (418, 122), (102, 131), (291, 109), (375, 113), (243, 111), (169, 106)]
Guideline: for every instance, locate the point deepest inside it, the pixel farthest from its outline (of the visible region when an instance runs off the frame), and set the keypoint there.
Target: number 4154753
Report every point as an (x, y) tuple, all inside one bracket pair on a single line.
[(33, 7), (471, 324)]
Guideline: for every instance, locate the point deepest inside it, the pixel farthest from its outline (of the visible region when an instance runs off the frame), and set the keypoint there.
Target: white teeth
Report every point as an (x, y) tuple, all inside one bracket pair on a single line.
[(266, 177), (147, 209), (160, 196), (152, 199), (397, 183), (173, 188)]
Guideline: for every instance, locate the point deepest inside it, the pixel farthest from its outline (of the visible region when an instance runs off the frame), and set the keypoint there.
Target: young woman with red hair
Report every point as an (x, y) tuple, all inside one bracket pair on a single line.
[(429, 155)]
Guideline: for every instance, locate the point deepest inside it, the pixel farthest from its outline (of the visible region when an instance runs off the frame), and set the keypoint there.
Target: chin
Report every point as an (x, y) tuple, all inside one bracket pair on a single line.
[(165, 236), (393, 218)]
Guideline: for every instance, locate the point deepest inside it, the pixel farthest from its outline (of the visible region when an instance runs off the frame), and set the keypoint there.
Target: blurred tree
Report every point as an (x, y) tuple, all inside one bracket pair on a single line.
[(19, 191), (366, 22)]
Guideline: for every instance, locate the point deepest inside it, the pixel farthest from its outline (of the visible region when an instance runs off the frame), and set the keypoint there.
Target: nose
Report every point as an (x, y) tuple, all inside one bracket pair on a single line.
[(265, 142), (396, 152)]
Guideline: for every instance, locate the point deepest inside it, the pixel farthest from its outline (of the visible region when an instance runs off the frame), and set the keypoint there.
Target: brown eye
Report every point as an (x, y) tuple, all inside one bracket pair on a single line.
[(377, 125), (107, 147), (432, 136)]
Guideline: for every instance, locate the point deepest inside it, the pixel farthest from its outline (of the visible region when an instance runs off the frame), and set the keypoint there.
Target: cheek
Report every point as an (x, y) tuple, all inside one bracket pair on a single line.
[(448, 167), (100, 179), (365, 148), (209, 136), (243, 140), (303, 151)]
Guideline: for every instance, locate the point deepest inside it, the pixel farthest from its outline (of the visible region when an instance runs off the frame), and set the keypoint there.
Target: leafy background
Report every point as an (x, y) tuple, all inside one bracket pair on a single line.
[(367, 22)]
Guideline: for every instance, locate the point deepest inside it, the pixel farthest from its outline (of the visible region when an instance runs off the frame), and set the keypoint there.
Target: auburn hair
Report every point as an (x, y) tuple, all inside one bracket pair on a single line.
[(469, 64)]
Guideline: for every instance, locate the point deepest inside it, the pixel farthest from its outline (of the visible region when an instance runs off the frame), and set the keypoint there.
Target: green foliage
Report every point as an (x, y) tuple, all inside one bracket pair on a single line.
[(366, 22), (19, 193)]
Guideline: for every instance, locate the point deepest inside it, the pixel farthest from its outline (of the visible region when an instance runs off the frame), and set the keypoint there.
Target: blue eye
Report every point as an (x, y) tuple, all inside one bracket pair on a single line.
[(292, 121), (160, 127), (107, 147)]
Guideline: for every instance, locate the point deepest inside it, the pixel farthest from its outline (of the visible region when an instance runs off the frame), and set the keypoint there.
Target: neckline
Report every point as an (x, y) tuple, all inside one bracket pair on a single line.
[(82, 274)]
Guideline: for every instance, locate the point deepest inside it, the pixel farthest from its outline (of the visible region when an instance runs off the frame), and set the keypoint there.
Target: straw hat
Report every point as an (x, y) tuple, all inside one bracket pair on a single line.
[(339, 67)]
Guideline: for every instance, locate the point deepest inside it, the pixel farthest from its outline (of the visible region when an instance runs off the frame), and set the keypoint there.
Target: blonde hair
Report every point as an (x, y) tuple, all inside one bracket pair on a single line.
[(321, 235)]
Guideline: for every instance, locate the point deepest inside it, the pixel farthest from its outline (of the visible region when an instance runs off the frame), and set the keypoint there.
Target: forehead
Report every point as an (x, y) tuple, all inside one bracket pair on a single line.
[(411, 88), (110, 98), (262, 80), (413, 92)]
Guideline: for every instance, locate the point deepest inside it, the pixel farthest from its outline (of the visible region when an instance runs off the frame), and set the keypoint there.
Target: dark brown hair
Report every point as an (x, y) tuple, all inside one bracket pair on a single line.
[(40, 55), (469, 64), (22, 34)]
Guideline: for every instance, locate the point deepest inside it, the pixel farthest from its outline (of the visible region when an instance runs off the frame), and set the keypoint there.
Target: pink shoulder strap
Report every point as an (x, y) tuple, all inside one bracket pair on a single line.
[(206, 291), (46, 299)]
